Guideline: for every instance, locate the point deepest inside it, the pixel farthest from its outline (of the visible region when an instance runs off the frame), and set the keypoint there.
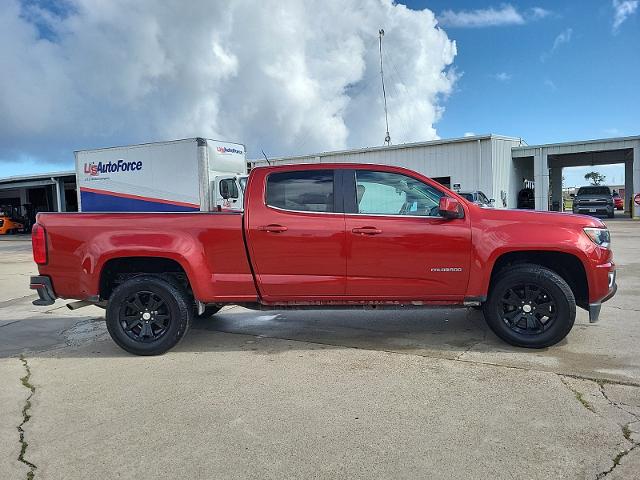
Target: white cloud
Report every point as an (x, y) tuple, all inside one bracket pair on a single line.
[(283, 75), (622, 11), (538, 13), (507, 14), (469, 134), (502, 76), (562, 38)]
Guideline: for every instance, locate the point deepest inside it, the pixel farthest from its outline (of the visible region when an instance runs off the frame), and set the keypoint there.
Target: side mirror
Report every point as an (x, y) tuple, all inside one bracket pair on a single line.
[(450, 208)]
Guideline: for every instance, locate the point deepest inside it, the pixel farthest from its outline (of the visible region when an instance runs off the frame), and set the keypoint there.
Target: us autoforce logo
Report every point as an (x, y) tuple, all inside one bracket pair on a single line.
[(229, 150), (447, 269), (95, 169)]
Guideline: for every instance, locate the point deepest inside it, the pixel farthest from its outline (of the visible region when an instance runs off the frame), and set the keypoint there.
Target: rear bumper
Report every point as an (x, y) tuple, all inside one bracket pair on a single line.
[(594, 308), (46, 295)]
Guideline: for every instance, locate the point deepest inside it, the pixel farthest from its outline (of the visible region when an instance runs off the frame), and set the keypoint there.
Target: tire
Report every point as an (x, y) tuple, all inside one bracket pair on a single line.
[(169, 311), (510, 310), (209, 311)]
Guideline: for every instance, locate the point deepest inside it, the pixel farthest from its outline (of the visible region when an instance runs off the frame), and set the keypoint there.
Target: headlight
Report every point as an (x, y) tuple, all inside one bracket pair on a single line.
[(599, 236)]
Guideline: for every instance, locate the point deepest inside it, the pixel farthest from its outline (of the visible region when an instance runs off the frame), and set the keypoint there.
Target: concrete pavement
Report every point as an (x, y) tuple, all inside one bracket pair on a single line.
[(321, 394)]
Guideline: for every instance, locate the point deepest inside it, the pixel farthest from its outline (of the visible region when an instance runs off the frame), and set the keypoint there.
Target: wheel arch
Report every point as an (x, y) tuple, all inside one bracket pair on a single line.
[(570, 267), (119, 269)]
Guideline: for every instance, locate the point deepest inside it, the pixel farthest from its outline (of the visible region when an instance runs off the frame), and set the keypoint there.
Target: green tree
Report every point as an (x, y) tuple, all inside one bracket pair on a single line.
[(595, 178)]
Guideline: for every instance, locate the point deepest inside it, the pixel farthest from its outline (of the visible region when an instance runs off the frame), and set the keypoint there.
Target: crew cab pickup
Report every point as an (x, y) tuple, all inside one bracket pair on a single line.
[(326, 235)]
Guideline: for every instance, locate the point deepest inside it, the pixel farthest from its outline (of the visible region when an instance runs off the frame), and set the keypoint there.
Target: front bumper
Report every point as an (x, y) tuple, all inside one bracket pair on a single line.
[(46, 295), (594, 308), (593, 210)]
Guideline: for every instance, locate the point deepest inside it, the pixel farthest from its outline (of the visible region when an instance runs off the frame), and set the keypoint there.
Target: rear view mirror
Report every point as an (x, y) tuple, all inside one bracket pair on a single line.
[(450, 208)]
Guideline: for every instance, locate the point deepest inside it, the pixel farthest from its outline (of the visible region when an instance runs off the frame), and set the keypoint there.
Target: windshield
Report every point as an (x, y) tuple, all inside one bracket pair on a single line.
[(594, 191)]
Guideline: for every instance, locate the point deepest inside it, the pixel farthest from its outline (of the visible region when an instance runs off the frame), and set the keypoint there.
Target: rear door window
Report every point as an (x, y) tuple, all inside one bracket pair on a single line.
[(302, 191)]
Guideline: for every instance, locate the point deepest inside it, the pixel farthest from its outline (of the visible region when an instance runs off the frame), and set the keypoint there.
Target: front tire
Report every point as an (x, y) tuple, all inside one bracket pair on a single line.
[(530, 306), (148, 315)]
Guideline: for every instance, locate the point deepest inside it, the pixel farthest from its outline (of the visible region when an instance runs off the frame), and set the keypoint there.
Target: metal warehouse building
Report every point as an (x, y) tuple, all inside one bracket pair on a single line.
[(498, 165), (475, 163)]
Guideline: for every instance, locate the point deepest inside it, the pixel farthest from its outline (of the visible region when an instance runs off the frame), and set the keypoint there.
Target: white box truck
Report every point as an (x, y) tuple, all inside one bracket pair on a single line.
[(194, 174)]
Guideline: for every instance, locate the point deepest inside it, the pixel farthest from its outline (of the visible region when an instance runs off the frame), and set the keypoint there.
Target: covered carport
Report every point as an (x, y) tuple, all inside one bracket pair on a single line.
[(27, 195), (547, 162)]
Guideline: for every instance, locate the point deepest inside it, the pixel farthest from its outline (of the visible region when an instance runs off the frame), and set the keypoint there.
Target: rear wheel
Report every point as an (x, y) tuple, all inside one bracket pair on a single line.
[(148, 315), (530, 306)]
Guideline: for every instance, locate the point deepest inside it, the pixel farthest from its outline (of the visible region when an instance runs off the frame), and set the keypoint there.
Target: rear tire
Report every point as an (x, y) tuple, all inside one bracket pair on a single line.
[(148, 315), (530, 306)]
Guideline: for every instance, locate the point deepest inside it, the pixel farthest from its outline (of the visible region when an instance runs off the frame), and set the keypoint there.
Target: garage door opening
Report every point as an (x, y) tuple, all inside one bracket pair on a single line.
[(611, 177)]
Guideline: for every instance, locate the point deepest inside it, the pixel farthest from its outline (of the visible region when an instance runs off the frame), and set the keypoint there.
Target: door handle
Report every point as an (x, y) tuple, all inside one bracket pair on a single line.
[(367, 231), (273, 228)]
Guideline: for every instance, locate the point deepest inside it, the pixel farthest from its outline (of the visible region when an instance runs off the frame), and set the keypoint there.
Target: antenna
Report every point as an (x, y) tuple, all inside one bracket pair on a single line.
[(265, 157), (387, 137)]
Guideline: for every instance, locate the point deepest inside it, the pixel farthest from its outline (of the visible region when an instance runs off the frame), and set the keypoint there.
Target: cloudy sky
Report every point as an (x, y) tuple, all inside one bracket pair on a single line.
[(289, 76)]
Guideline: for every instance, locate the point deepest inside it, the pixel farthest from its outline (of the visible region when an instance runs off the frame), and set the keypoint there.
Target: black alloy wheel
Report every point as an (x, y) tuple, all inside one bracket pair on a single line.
[(530, 306), (528, 309), (144, 316), (149, 314)]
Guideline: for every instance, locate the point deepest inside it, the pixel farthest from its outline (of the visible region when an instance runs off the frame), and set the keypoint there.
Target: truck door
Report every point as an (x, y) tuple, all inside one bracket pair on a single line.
[(296, 235), (398, 245)]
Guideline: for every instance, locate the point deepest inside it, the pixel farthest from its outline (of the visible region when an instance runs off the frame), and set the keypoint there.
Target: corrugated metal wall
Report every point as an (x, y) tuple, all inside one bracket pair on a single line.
[(479, 163)]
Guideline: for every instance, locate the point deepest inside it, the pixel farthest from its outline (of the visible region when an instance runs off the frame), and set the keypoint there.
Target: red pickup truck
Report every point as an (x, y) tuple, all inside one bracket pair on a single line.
[(349, 235)]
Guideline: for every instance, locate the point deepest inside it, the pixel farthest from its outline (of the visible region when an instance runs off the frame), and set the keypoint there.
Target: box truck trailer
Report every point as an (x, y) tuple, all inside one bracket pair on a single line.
[(194, 174)]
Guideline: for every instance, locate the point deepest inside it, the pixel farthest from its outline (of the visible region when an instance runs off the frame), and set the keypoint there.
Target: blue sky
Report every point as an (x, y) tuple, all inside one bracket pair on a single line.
[(118, 73), (514, 82)]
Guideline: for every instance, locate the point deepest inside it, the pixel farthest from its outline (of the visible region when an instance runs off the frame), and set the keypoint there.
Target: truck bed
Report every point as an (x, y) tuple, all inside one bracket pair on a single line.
[(200, 243)]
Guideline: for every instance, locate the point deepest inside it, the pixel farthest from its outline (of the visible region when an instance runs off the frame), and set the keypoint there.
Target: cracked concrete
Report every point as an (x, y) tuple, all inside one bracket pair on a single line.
[(325, 395), (259, 406), (26, 417), (12, 399), (594, 397)]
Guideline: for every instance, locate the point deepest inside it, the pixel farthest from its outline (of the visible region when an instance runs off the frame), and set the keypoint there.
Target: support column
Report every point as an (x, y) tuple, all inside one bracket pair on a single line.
[(24, 197), (59, 194), (628, 185), (556, 186), (541, 178), (636, 178)]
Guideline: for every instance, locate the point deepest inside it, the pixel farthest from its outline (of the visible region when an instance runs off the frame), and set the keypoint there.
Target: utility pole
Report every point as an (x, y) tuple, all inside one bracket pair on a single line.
[(387, 137)]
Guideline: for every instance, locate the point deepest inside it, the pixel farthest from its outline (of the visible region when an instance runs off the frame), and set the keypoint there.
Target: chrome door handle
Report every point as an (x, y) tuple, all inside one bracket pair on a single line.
[(273, 228), (367, 231)]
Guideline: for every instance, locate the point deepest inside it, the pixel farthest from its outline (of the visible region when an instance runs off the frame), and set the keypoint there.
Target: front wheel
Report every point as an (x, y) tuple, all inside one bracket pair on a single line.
[(148, 315), (530, 306)]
